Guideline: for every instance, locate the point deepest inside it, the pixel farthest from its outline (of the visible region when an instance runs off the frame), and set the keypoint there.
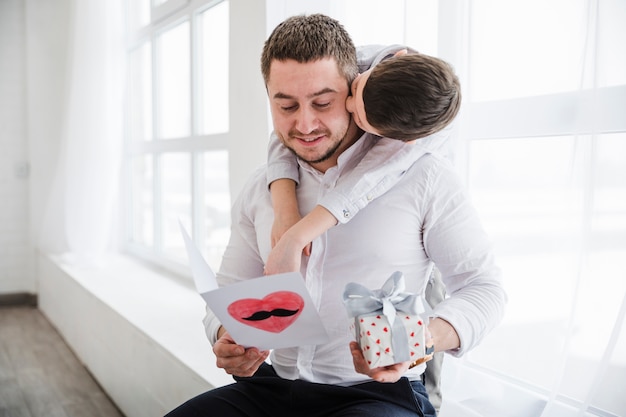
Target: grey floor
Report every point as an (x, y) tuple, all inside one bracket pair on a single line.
[(40, 375)]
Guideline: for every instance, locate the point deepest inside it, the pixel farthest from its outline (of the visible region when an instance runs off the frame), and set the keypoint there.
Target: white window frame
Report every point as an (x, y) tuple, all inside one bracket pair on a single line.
[(163, 17), (598, 111)]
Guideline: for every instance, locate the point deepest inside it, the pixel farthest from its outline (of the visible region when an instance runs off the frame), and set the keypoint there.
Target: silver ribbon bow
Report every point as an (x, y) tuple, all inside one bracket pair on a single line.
[(390, 298)]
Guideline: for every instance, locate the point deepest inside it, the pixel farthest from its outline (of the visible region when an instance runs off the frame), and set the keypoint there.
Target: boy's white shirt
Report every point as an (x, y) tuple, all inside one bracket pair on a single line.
[(382, 167)]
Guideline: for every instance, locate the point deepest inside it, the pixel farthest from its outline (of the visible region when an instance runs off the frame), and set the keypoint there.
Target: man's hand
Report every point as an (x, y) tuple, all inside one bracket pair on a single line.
[(236, 360), (391, 373)]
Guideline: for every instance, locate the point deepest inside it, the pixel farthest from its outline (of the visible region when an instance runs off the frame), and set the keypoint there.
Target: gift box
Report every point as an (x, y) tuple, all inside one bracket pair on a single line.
[(376, 337), (388, 323)]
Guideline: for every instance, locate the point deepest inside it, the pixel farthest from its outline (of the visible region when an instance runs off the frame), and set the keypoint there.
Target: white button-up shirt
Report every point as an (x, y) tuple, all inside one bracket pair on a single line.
[(425, 218)]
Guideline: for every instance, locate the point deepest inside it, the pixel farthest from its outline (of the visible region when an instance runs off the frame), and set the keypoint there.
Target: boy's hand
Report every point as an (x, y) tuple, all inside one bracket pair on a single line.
[(286, 256), (281, 224)]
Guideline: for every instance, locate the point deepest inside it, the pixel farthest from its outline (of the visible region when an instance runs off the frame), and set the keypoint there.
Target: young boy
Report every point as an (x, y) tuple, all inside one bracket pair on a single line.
[(405, 97)]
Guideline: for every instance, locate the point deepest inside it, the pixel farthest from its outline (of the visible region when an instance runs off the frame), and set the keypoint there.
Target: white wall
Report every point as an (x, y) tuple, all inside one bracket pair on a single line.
[(47, 25), (33, 49), (249, 129), (15, 275)]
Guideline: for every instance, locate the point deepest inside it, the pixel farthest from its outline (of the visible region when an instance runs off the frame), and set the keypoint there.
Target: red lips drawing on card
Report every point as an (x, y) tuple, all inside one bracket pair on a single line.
[(274, 313)]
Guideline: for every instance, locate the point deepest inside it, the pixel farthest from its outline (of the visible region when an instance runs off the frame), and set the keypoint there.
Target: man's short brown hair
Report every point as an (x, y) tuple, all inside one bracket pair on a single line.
[(310, 38)]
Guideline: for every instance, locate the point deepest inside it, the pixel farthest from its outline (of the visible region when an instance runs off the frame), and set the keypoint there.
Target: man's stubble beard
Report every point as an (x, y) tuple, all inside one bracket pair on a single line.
[(326, 156)]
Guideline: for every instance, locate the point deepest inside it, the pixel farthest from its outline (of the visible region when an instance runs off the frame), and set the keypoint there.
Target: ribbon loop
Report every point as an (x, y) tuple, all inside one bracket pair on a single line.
[(390, 299)]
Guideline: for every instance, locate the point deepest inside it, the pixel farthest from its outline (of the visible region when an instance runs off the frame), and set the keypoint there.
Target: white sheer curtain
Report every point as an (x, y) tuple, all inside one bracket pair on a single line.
[(81, 205), (594, 332), (542, 144), (546, 155)]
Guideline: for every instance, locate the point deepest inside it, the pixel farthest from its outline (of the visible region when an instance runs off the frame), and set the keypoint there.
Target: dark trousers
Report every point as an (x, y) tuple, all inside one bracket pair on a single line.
[(267, 395)]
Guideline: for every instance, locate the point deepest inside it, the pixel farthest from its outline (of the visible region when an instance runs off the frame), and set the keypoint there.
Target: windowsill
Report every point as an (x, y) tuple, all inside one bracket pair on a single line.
[(127, 315), (166, 308), (123, 312)]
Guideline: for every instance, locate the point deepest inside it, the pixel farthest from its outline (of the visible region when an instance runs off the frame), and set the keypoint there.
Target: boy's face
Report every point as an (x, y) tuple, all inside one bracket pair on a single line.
[(307, 101), (355, 105)]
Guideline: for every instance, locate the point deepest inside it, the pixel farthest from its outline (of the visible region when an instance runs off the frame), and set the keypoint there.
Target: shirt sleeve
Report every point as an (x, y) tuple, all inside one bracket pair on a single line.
[(456, 242), (369, 55), (281, 162), (379, 170), (242, 259)]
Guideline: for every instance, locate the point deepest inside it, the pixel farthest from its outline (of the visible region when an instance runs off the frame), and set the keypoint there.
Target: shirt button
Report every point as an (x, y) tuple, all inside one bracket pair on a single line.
[(370, 197), (346, 214)]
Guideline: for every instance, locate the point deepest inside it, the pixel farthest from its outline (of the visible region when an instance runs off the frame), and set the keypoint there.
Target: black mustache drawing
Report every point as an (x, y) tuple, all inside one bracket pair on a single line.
[(279, 312)]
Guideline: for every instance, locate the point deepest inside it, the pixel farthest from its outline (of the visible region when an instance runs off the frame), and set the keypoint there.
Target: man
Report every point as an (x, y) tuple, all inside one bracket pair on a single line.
[(308, 64)]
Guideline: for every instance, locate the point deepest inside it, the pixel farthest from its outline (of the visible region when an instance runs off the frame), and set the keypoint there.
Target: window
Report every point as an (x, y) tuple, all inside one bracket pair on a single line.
[(543, 156), (541, 142), (177, 129)]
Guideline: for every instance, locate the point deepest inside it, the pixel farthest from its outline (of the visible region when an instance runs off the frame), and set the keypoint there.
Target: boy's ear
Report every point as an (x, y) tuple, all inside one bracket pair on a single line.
[(401, 52)]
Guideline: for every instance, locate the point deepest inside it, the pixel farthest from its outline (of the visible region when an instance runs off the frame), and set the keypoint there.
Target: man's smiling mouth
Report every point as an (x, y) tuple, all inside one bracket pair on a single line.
[(309, 140)]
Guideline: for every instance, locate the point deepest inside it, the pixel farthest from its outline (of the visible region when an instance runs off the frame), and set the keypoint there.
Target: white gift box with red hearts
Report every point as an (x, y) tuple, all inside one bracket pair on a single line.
[(374, 335), (388, 322)]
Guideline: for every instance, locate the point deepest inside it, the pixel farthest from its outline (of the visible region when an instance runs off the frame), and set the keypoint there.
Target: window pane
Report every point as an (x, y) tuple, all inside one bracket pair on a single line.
[(421, 27), (529, 196), (141, 94), (527, 48), (173, 101), (142, 200), (556, 210), (604, 288), (175, 201), (385, 17), (610, 194), (139, 13), (213, 74), (215, 211), (611, 53)]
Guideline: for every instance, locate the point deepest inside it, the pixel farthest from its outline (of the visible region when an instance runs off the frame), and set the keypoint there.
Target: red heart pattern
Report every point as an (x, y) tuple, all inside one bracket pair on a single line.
[(375, 338)]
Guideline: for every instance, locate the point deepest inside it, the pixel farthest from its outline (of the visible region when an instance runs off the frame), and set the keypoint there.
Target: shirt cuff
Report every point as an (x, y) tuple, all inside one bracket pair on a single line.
[(281, 170), (211, 326)]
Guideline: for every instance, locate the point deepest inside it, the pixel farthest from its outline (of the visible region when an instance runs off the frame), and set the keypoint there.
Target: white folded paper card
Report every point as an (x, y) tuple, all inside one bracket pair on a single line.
[(268, 312)]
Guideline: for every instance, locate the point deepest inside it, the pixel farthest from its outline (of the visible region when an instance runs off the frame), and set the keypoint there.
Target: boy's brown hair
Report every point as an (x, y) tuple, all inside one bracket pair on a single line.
[(411, 96)]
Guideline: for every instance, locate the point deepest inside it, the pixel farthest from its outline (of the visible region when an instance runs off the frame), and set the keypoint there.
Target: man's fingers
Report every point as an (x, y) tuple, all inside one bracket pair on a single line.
[(226, 348), (391, 373), (235, 360), (360, 364), (250, 368)]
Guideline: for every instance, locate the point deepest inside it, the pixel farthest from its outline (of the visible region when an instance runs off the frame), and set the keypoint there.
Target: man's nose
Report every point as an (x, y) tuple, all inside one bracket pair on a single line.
[(306, 121)]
